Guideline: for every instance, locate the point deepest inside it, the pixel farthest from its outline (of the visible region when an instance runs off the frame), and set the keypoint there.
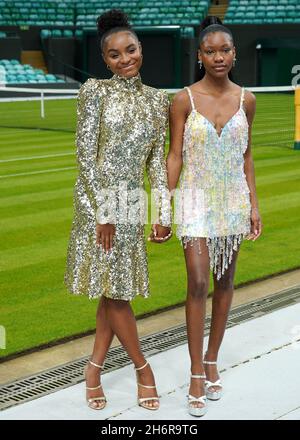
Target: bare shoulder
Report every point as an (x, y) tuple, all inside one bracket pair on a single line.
[(250, 98), (250, 104), (180, 101)]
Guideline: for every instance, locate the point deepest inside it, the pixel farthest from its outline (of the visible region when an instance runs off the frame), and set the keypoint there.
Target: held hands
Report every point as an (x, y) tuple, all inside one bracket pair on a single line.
[(160, 234), (104, 236), (256, 225)]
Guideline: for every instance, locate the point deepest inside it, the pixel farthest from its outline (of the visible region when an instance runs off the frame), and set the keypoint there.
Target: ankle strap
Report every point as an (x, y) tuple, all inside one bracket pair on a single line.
[(95, 365), (198, 376), (210, 362), (140, 368)]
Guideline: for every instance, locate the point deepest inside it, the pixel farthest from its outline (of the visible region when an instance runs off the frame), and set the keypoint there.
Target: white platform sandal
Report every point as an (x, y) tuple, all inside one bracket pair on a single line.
[(141, 400), (193, 410), (213, 395), (92, 400)]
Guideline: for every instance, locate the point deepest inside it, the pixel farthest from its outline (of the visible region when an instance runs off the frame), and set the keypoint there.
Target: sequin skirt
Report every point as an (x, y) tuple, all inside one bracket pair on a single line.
[(121, 274)]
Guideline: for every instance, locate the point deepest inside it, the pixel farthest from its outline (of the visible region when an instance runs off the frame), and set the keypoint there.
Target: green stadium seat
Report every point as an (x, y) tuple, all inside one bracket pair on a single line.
[(291, 14), (4, 62), (56, 33), (50, 78), (239, 15), (188, 32), (67, 33), (78, 33), (45, 33)]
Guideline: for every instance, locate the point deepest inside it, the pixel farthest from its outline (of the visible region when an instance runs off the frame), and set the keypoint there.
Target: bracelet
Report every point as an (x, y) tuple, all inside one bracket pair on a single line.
[(166, 237)]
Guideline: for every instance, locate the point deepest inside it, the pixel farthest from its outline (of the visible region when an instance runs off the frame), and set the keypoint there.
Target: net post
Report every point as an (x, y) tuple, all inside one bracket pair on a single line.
[(42, 105), (297, 119)]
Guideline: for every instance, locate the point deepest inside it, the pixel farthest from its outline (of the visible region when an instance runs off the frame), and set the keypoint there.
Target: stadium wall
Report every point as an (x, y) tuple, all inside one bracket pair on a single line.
[(169, 62)]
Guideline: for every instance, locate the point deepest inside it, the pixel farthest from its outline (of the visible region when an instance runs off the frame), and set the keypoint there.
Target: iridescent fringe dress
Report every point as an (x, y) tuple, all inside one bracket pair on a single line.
[(121, 129), (214, 200)]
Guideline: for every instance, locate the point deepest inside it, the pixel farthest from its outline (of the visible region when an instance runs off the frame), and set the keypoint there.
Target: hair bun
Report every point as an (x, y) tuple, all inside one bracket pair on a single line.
[(210, 19), (111, 19)]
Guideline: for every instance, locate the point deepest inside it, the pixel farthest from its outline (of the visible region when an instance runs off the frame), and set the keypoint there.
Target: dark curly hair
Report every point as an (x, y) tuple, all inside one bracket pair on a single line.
[(110, 22)]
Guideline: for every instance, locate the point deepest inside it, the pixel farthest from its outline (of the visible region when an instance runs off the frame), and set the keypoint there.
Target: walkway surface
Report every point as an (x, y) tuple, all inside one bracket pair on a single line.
[(258, 362)]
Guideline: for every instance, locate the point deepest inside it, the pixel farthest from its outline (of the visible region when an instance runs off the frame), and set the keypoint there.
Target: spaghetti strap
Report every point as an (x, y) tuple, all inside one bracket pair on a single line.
[(242, 97), (191, 97)]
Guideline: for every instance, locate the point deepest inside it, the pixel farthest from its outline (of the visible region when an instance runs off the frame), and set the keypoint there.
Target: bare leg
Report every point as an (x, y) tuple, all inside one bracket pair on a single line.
[(197, 266), (103, 340), (221, 303), (123, 324)]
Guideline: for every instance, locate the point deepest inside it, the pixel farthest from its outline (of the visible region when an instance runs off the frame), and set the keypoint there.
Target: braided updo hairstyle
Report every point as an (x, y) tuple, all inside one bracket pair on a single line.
[(110, 22)]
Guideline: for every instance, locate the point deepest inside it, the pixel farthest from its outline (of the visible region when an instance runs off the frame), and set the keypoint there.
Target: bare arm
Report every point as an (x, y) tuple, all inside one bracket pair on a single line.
[(256, 225), (178, 114)]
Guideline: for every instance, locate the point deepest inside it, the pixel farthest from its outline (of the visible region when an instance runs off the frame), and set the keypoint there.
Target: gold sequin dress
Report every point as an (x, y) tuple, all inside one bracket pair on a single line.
[(121, 129)]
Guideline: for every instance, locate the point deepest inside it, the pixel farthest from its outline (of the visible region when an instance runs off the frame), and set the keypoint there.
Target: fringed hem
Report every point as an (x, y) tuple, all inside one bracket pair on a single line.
[(220, 250)]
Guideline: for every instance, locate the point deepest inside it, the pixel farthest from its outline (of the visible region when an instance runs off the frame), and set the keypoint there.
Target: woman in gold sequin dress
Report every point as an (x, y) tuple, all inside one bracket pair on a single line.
[(121, 128)]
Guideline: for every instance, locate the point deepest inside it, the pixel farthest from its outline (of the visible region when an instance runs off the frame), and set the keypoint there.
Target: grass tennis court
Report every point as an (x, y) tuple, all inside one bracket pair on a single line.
[(38, 171)]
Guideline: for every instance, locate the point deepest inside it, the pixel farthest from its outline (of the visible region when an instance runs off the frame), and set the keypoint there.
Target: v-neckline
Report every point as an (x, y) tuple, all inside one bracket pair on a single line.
[(212, 125)]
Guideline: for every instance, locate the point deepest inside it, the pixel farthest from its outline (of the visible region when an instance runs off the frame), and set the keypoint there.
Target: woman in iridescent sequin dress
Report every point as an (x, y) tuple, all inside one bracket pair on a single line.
[(216, 207), (121, 128)]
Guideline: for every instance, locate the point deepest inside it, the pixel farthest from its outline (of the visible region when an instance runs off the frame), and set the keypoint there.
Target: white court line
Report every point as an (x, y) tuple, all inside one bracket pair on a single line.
[(38, 172), (35, 157), (37, 98), (256, 133)]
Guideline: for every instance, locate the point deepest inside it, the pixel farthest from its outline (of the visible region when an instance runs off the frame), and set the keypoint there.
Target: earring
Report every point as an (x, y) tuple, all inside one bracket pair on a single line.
[(108, 66), (200, 64), (234, 60)]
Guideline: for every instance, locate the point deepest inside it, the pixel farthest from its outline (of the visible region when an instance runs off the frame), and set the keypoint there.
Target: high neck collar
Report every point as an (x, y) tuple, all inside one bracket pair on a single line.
[(132, 83)]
